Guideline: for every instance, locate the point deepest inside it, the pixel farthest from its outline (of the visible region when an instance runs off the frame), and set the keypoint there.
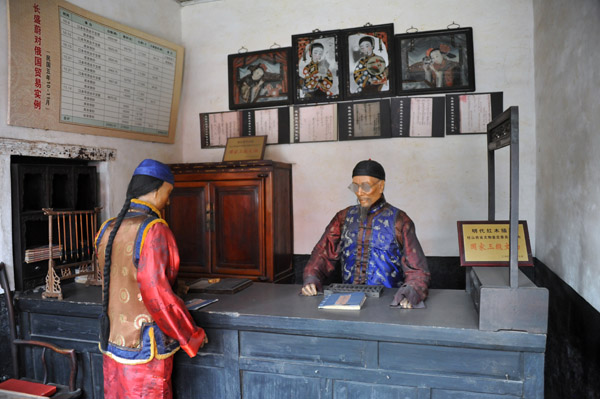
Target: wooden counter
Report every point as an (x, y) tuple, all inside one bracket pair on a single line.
[(267, 341)]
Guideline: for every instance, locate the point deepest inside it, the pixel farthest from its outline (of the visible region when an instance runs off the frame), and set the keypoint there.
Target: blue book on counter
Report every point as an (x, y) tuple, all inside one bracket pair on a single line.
[(344, 300)]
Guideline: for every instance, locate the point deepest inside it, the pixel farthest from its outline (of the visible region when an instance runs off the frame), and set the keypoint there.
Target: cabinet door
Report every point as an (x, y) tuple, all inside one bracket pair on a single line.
[(239, 227), (187, 218)]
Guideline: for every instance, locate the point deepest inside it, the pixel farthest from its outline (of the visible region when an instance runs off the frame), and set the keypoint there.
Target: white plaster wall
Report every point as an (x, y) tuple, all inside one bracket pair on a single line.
[(567, 53), (436, 181), (157, 17)]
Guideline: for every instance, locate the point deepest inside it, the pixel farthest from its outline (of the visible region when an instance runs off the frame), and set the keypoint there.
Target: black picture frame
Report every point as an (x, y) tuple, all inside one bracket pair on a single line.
[(368, 73), (267, 89), (317, 77), (418, 53)]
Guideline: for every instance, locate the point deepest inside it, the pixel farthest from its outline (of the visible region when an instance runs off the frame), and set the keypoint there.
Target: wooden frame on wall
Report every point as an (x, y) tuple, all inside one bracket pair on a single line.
[(57, 83)]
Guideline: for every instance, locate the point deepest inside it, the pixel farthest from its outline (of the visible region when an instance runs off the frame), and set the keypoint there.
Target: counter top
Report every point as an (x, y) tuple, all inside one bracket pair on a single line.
[(449, 318)]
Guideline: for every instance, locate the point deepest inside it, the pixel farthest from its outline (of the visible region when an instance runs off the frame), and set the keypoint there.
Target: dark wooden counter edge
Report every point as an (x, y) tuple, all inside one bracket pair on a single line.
[(449, 319), (207, 167)]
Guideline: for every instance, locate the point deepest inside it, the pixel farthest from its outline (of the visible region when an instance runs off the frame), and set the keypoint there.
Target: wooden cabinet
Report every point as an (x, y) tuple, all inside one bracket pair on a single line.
[(233, 219), (36, 186)]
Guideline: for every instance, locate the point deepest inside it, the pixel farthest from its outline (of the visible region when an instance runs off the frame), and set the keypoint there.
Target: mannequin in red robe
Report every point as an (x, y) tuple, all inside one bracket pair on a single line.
[(143, 322)]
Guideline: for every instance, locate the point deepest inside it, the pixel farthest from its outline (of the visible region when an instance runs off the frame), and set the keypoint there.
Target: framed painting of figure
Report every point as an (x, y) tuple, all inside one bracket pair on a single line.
[(259, 78), (316, 76), (368, 55), (438, 61)]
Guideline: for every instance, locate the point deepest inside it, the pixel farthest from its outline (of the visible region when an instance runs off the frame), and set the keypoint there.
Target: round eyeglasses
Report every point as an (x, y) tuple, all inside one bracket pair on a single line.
[(366, 187)]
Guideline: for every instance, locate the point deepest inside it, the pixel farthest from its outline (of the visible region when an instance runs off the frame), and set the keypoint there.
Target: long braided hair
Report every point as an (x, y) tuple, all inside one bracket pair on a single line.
[(138, 186)]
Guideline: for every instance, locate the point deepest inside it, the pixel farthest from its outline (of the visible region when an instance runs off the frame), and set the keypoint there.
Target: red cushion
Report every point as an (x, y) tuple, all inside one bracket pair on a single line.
[(32, 388)]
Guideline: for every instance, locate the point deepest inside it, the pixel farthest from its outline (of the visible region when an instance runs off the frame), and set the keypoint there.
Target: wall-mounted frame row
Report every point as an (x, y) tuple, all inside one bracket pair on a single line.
[(353, 64), (453, 114)]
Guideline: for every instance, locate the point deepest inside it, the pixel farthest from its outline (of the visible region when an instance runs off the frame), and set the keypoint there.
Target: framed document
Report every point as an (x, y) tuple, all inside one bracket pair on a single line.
[(217, 127), (317, 69), (259, 78), (245, 148), (417, 116), (313, 123), (74, 71), (271, 122), (486, 243), (470, 113), (360, 120), (438, 61), (368, 62)]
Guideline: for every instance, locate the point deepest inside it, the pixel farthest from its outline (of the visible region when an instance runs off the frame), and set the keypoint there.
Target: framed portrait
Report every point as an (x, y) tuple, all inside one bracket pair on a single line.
[(259, 78), (316, 76), (438, 61), (368, 62)]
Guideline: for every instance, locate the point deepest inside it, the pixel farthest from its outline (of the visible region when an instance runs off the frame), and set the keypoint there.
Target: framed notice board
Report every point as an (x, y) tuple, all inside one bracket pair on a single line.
[(74, 71), (485, 243)]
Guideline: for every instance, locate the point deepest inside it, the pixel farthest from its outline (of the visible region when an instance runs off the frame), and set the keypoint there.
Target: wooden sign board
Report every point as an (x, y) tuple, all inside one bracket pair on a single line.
[(251, 148), (74, 71), (486, 243)]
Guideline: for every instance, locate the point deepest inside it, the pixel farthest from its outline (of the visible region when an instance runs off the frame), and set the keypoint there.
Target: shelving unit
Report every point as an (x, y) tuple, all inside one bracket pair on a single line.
[(58, 187)]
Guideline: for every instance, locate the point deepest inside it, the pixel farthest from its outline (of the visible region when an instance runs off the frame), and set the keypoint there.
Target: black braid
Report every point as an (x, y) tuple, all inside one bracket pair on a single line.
[(138, 186)]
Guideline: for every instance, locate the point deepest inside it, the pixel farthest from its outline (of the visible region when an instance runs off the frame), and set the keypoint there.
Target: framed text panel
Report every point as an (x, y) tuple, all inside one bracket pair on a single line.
[(486, 243), (74, 71)]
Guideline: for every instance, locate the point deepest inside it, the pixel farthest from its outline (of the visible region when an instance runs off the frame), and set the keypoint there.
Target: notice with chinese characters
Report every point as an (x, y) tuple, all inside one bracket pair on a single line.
[(475, 112), (250, 148), (74, 71), (315, 123), (487, 242), (267, 124), (224, 125), (367, 119), (421, 117)]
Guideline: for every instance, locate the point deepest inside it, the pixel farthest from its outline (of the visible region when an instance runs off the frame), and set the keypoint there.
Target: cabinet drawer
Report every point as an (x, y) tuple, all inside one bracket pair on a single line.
[(356, 390), (318, 350), (64, 327), (449, 360), (262, 386)]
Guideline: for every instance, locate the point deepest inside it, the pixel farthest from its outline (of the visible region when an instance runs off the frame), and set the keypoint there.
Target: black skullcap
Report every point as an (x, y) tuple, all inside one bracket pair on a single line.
[(369, 168), (367, 38)]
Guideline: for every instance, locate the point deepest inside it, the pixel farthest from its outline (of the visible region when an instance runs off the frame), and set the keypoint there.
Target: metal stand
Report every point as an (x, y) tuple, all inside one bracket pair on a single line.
[(514, 303)]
